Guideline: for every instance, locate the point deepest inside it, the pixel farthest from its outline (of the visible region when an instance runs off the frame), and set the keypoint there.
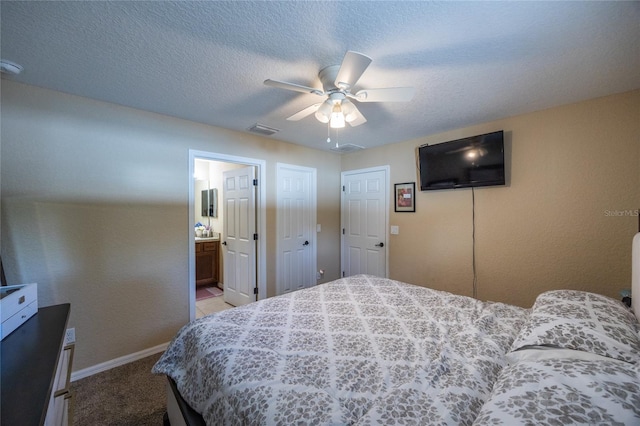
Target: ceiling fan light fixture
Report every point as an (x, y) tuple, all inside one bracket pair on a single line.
[(349, 118), (322, 118), (337, 121), (349, 111), (337, 109), (337, 117), (323, 114)]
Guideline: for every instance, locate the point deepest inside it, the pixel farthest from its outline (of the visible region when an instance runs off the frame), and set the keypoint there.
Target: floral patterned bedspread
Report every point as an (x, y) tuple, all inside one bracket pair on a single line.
[(359, 350)]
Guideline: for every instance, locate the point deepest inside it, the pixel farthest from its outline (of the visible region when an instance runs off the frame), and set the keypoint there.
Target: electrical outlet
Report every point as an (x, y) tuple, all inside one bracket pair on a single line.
[(70, 336)]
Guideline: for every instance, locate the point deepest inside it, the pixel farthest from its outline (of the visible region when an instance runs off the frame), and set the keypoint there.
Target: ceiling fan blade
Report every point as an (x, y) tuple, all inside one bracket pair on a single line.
[(292, 86), (353, 116), (389, 94), (305, 112), (353, 66)]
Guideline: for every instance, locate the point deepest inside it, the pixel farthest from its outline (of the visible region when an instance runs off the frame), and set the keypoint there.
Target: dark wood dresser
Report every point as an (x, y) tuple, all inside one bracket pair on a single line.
[(35, 372)]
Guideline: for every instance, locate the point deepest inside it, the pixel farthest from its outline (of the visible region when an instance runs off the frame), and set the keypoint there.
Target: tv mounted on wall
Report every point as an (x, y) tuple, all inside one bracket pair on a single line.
[(470, 162)]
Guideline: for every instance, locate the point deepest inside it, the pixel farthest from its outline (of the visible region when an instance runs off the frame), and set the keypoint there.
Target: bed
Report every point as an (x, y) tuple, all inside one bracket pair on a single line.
[(366, 350)]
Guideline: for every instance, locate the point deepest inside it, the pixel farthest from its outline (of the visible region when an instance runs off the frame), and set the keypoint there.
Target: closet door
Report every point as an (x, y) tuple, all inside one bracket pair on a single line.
[(296, 227), (365, 205)]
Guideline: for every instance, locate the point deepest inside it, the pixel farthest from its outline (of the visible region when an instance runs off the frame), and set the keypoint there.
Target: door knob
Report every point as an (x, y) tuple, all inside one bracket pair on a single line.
[(380, 245), (224, 243), (306, 243)]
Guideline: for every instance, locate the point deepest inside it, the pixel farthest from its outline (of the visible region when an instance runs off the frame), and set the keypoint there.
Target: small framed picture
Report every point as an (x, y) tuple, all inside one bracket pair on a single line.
[(405, 197)]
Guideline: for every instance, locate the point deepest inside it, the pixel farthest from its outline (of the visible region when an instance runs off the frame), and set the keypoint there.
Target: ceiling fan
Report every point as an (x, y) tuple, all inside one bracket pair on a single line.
[(337, 83)]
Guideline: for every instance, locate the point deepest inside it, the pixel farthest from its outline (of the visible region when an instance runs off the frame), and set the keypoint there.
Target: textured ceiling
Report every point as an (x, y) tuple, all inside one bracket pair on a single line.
[(470, 62)]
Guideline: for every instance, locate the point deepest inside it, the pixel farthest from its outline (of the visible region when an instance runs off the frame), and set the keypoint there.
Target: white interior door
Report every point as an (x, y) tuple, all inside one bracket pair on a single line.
[(239, 237), (365, 203), (296, 263)]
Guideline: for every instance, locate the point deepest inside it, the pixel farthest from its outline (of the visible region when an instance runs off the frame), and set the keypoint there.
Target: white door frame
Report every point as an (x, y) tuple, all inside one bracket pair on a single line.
[(313, 206), (387, 172), (261, 225)]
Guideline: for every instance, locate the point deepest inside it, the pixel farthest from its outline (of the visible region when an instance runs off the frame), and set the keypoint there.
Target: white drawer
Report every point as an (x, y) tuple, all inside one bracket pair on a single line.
[(14, 298), (10, 324)]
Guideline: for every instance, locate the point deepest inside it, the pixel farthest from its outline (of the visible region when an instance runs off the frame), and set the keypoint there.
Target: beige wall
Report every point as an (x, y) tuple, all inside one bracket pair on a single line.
[(556, 224), (94, 209)]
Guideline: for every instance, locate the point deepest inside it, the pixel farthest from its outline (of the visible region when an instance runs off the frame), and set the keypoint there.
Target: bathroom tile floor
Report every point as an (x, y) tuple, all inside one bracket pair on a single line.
[(211, 305)]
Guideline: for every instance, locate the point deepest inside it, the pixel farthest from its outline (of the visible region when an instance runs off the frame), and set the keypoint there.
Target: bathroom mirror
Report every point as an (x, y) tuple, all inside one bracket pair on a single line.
[(210, 202)]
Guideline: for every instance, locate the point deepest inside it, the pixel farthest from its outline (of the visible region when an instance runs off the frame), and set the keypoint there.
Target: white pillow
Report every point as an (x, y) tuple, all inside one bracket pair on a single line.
[(581, 321)]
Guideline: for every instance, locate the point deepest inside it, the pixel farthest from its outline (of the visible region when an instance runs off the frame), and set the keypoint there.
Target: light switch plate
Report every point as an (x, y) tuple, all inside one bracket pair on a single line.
[(395, 230)]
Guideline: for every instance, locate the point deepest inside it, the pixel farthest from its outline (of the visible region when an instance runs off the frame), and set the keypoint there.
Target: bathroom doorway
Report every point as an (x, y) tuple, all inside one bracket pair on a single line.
[(206, 170)]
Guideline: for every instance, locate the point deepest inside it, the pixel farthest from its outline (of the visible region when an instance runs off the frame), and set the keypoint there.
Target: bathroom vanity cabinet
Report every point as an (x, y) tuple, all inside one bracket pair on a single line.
[(207, 253)]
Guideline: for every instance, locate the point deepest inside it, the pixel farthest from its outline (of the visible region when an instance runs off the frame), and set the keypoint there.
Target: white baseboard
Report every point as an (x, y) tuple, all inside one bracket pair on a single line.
[(108, 365)]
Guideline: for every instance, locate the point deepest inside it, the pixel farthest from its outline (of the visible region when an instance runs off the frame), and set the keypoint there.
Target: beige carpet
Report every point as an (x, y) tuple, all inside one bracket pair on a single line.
[(123, 396)]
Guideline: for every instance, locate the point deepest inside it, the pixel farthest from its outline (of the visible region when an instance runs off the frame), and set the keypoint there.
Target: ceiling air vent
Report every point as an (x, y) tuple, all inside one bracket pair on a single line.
[(261, 129), (346, 148)]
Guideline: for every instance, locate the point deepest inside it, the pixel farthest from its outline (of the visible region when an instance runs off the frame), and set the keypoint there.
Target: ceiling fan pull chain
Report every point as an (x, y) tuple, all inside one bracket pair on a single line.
[(328, 133)]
